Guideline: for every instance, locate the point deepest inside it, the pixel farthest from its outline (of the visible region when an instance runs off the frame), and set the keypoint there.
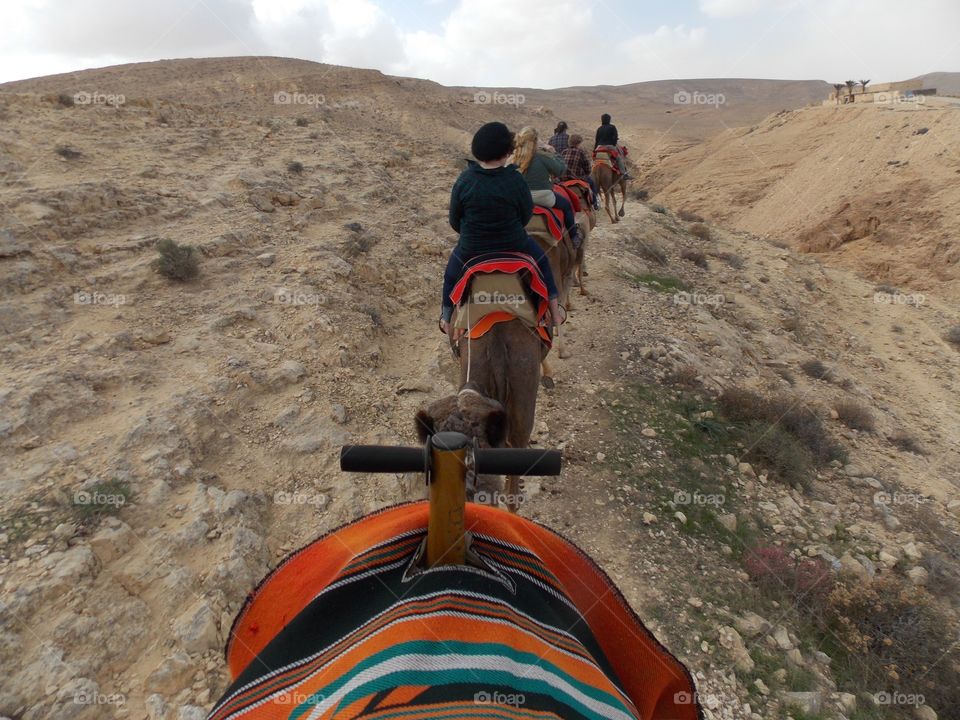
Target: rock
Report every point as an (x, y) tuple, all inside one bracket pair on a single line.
[(157, 707), (924, 712), (339, 413), (728, 521), (731, 641), (746, 468), (782, 638), (110, 543), (648, 432), (695, 602), (912, 551), (795, 657), (730, 460), (191, 712), (809, 703), (851, 565), (918, 575), (761, 687), (266, 259), (649, 518), (680, 517), (261, 200), (751, 624), (197, 629), (171, 676), (848, 702), (290, 371), (65, 570), (856, 471)]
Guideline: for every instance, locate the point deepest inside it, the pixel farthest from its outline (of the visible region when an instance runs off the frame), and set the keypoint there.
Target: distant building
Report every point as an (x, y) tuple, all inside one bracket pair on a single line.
[(884, 93)]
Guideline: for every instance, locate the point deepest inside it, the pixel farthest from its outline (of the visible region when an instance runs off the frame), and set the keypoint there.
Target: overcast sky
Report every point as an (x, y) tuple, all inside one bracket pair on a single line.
[(500, 43)]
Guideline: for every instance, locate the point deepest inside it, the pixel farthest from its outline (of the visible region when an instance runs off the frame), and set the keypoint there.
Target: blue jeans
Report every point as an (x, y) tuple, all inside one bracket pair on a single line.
[(459, 258), (569, 219)]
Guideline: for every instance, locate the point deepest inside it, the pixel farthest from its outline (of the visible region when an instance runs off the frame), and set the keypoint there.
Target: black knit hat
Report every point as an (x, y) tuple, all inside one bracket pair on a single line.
[(492, 142)]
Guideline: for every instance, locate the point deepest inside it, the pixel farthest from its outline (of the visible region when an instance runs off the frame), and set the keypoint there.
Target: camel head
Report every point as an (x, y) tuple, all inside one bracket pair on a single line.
[(468, 412)]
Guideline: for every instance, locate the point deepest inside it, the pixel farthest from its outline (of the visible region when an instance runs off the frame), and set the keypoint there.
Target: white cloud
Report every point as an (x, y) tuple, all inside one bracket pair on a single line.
[(735, 8)]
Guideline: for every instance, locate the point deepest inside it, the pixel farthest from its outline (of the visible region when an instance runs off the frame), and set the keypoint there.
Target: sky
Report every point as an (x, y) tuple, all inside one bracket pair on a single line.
[(500, 43)]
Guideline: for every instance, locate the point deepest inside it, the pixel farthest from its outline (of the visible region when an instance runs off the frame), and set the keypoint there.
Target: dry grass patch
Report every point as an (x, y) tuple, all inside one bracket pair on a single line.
[(855, 416), (176, 262), (700, 231), (696, 257)]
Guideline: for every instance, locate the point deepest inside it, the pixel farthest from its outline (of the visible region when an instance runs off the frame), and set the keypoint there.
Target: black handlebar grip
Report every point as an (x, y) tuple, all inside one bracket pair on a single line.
[(382, 459), (517, 461)]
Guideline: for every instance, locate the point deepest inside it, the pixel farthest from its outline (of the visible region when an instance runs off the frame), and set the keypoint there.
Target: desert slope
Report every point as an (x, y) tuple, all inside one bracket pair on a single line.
[(874, 188)]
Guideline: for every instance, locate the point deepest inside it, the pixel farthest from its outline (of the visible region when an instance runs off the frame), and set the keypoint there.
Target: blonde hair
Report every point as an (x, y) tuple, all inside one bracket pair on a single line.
[(526, 148)]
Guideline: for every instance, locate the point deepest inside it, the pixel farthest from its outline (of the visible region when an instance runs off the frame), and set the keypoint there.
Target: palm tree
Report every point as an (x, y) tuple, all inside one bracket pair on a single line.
[(837, 87), (863, 84), (851, 84)]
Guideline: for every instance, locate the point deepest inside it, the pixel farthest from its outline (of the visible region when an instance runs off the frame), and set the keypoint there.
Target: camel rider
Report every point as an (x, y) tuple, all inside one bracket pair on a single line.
[(539, 164), (578, 166), (560, 141), (607, 135), (490, 206)]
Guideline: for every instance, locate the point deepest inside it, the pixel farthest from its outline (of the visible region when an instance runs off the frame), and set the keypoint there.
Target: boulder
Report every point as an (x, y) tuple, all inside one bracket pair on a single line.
[(731, 641), (197, 629), (809, 703), (171, 676), (750, 624)]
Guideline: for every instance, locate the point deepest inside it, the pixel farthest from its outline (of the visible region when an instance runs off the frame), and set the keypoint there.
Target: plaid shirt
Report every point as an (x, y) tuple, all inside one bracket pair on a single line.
[(560, 142), (578, 164)]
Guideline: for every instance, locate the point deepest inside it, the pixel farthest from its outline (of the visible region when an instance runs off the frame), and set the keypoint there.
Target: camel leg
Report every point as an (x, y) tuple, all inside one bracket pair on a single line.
[(583, 290), (546, 375), (513, 488), (623, 202)]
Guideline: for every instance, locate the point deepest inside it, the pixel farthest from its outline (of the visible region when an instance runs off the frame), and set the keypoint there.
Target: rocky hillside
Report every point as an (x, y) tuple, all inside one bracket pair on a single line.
[(163, 444), (872, 188)]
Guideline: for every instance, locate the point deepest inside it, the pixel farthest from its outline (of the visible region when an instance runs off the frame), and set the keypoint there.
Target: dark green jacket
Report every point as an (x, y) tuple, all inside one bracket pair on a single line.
[(542, 167), (490, 208)]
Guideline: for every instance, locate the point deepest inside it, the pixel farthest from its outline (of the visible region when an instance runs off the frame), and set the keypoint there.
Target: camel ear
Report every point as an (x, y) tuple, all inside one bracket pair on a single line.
[(424, 423), (496, 428)]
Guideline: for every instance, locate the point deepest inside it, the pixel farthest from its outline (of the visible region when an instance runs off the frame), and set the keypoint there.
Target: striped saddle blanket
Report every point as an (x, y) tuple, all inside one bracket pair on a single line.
[(352, 626)]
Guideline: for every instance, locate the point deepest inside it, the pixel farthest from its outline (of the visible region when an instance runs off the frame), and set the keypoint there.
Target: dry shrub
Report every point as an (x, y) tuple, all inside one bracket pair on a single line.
[(65, 100), (659, 209), (785, 457), (650, 251), (176, 262), (683, 376), (855, 416), (734, 261), (953, 335), (358, 244), (700, 231), (907, 443), (302, 122), (295, 167), (895, 638), (640, 195), (806, 582), (688, 216), (745, 406), (817, 370), (67, 152), (696, 257)]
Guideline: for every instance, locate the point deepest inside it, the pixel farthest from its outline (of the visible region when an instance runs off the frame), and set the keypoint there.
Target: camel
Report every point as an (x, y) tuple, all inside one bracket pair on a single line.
[(563, 262), (499, 379), (607, 182)]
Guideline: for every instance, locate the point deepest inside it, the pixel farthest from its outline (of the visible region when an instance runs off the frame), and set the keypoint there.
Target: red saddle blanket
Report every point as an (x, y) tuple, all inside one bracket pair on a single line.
[(579, 191), (569, 195), (553, 218), (509, 263)]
